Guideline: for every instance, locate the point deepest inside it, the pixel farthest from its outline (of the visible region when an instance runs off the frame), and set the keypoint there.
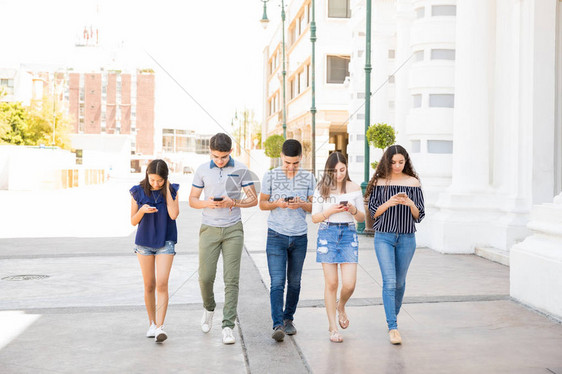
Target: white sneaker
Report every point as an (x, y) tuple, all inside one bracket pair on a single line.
[(227, 336), (151, 330), (207, 321), (160, 335)]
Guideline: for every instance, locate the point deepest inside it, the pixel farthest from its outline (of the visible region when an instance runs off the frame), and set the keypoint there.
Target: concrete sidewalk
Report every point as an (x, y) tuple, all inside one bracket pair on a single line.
[(457, 317), (88, 316)]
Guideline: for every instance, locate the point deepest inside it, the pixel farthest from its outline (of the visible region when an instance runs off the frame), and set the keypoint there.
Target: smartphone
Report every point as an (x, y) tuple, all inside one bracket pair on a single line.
[(152, 207), (344, 202), (401, 194), (218, 199), (290, 198)]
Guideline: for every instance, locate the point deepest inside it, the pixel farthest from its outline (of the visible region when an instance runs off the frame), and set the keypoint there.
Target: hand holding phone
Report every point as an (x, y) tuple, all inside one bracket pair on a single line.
[(289, 199), (402, 195), (343, 202), (218, 198)]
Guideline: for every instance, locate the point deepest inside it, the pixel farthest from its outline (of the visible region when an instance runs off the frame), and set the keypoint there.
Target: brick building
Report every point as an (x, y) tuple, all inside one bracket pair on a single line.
[(111, 102)]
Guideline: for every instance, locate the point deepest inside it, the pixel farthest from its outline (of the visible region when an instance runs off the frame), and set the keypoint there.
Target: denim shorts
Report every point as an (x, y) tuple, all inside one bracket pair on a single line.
[(169, 248), (337, 243)]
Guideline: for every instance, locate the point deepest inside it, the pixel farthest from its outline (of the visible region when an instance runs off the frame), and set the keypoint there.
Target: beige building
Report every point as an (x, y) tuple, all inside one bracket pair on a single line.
[(333, 51)]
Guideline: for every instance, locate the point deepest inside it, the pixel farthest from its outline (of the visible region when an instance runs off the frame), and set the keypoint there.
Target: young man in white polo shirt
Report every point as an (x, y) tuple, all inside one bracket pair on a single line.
[(221, 230)]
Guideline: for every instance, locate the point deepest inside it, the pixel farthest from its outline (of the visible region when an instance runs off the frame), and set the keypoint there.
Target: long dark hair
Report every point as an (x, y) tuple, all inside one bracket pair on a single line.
[(328, 180), (159, 168), (384, 168)]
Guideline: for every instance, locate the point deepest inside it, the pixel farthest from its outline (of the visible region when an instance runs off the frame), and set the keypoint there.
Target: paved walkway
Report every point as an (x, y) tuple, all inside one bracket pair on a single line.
[(88, 316)]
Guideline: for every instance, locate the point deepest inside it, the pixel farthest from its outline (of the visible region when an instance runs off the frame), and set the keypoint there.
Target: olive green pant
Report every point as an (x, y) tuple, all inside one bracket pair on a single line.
[(213, 241)]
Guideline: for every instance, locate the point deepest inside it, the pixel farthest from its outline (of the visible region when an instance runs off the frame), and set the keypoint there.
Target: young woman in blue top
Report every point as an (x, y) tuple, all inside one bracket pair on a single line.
[(395, 203), (154, 207)]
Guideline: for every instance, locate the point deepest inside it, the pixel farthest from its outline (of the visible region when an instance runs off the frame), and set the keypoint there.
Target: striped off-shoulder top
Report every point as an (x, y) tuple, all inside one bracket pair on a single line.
[(396, 219)]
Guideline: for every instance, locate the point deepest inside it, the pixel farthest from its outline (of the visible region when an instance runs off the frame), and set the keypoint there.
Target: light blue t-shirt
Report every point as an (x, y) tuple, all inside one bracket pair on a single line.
[(290, 222)]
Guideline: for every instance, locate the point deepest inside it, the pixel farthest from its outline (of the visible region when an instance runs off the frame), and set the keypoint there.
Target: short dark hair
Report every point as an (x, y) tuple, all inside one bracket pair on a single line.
[(221, 142), (292, 148)]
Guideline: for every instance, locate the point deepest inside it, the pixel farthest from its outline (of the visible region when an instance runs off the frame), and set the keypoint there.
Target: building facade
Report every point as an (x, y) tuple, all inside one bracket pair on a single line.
[(333, 51), (112, 102)]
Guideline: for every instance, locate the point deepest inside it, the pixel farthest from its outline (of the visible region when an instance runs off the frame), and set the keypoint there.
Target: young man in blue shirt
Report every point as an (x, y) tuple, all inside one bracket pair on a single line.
[(221, 228), (287, 193)]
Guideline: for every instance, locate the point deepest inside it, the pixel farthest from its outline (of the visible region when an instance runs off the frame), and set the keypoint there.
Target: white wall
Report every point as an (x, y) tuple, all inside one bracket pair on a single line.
[(32, 168), (111, 152)]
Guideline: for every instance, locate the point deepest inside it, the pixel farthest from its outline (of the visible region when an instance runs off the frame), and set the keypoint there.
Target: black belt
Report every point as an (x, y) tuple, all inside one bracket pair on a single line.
[(339, 223)]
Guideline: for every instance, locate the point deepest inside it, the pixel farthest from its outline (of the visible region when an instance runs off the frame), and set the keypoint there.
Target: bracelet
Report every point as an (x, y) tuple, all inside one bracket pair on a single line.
[(234, 204), (323, 215), (353, 214)]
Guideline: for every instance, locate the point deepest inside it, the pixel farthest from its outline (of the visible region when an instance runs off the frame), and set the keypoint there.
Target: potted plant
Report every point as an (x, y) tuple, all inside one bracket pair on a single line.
[(381, 136), (272, 146)]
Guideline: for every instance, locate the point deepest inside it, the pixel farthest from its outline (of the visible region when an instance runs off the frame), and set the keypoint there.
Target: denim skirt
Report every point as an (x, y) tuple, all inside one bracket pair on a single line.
[(337, 243)]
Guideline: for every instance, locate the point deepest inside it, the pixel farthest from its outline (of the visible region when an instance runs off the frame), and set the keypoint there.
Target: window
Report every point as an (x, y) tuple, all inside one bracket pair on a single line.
[(181, 143), (309, 12), (418, 55), (293, 34), (302, 23), (416, 146), (308, 75), (439, 146), (338, 69), (359, 159), (202, 145), (391, 53), (302, 81), (443, 10), (391, 79), (442, 54), (7, 85), (168, 143), (339, 9), (416, 101), (293, 88), (420, 12), (442, 100)]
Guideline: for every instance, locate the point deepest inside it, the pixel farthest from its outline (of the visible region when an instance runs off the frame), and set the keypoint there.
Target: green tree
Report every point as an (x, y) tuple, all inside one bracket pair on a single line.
[(20, 125), (13, 123), (380, 135), (273, 146)]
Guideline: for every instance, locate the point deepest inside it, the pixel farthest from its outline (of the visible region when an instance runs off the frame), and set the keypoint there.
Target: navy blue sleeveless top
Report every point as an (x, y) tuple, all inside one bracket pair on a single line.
[(155, 228)]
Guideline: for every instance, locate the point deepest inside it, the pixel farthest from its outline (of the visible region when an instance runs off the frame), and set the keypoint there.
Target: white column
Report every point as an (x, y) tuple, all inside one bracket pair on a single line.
[(544, 78), (473, 99), (379, 58), (536, 263), (506, 131), (402, 102)]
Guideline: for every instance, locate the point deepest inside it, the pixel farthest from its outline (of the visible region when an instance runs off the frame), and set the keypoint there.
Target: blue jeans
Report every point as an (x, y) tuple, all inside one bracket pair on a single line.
[(394, 253), (285, 258)]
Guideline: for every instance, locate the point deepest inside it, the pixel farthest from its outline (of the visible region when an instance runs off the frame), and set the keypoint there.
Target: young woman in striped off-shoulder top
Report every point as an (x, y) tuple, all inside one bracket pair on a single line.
[(396, 204)]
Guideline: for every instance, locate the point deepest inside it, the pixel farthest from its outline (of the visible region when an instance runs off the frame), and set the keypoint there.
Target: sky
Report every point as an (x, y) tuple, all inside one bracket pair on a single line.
[(213, 49)]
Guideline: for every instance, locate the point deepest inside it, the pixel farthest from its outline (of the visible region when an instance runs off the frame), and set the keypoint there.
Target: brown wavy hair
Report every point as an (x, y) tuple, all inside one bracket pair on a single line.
[(384, 168), (328, 180), (160, 168)]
